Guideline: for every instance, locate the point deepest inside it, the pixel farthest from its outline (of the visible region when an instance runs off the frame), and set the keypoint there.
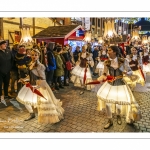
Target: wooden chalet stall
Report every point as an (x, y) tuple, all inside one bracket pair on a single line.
[(60, 34)]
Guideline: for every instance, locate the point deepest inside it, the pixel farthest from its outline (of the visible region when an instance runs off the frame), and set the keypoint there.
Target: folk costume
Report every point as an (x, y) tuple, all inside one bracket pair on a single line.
[(81, 73), (22, 62), (100, 65), (135, 63), (146, 63), (115, 95), (38, 94)]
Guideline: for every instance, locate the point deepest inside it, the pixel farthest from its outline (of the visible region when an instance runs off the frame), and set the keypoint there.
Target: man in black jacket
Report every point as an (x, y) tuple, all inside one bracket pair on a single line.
[(76, 53), (50, 57), (6, 61)]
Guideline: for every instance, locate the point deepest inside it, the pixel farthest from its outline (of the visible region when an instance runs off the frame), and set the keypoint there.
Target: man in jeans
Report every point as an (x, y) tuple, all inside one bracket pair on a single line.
[(6, 61), (14, 70)]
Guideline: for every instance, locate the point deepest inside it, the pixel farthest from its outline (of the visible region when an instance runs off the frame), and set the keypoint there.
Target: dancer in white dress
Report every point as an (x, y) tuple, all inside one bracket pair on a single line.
[(81, 74), (135, 63), (102, 58), (49, 108), (145, 60), (115, 95)]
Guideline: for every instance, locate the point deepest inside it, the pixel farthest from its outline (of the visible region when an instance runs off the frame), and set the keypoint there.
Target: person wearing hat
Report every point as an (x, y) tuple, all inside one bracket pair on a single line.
[(22, 63), (6, 61)]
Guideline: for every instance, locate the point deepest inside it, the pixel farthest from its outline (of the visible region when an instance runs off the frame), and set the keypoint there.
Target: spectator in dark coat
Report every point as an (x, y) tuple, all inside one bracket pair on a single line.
[(66, 58), (50, 62), (76, 53), (14, 70), (22, 62), (89, 48), (6, 61)]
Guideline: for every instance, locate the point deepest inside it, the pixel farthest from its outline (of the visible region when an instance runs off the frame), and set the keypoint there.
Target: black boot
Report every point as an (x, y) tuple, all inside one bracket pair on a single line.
[(32, 115), (109, 124), (60, 86), (56, 88), (66, 84), (119, 121)]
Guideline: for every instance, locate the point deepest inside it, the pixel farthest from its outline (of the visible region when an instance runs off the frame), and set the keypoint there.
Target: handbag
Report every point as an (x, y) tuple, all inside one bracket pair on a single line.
[(68, 65)]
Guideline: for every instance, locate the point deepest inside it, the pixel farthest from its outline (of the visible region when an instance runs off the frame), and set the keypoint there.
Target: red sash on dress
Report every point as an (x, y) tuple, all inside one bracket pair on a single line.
[(34, 90), (109, 79)]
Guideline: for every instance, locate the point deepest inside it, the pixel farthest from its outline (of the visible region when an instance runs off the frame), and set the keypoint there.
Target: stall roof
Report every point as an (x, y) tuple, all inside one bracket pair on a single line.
[(57, 31), (145, 25)]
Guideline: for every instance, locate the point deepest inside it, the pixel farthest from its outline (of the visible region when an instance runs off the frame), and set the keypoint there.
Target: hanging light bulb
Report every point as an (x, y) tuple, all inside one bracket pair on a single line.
[(109, 30), (88, 37), (144, 39), (100, 40), (26, 38), (135, 34)]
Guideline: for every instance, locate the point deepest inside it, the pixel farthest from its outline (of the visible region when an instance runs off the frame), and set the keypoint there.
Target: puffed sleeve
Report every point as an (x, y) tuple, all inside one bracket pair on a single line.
[(127, 68), (41, 71), (105, 71)]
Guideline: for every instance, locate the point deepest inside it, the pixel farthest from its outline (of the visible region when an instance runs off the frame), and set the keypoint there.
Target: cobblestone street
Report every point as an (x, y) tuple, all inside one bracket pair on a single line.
[(80, 115)]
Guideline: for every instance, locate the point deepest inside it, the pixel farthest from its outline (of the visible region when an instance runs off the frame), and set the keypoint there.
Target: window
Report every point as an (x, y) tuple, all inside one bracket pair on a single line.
[(98, 22), (61, 22), (93, 30), (17, 36), (93, 21)]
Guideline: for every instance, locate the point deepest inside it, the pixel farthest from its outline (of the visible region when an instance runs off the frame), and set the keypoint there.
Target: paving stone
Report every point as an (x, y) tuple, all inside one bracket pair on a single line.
[(143, 129), (80, 115), (79, 128)]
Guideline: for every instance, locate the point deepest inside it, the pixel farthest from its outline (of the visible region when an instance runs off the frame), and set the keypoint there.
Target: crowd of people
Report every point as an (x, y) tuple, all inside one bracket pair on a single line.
[(41, 70)]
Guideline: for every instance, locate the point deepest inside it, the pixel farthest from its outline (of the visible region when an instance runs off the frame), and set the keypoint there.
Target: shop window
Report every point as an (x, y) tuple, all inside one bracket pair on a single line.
[(61, 22), (93, 21), (98, 22), (93, 30), (17, 36)]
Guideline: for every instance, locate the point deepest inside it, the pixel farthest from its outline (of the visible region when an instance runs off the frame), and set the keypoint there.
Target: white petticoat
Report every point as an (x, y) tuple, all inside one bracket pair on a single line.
[(100, 65), (120, 95), (146, 68), (27, 97), (96, 87), (49, 109), (140, 79), (78, 77), (78, 71)]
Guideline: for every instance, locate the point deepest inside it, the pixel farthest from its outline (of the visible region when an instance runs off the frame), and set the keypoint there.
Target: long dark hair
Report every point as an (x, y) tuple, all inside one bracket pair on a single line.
[(116, 50)]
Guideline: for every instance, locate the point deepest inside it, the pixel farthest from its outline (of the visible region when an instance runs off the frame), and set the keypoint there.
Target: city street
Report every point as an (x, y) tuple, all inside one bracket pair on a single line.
[(80, 115)]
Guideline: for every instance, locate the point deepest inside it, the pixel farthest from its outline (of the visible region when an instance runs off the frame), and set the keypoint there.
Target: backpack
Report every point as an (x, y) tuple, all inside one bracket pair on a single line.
[(54, 62)]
